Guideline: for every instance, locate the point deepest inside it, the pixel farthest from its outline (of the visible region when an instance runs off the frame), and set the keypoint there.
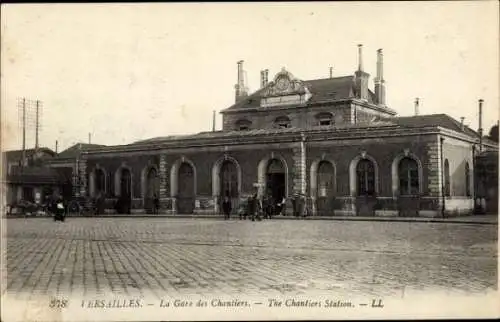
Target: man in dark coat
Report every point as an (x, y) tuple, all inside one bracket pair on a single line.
[(226, 207), (156, 204), (251, 207)]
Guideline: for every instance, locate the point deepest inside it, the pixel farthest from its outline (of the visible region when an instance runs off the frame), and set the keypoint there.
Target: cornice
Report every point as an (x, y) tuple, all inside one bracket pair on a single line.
[(325, 134)]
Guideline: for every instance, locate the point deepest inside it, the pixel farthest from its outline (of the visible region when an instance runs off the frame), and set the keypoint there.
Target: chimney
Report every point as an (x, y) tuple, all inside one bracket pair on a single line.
[(331, 72), (213, 121), (263, 78), (417, 106), (240, 90), (362, 78), (56, 146), (480, 130), (266, 76), (462, 123), (360, 57), (379, 80)]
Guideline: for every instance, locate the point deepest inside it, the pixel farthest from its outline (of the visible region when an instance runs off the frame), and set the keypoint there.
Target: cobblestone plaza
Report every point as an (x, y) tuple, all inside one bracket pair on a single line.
[(159, 256)]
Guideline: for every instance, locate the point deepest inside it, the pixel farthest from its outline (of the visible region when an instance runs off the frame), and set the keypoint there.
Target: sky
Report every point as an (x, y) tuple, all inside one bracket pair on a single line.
[(127, 72)]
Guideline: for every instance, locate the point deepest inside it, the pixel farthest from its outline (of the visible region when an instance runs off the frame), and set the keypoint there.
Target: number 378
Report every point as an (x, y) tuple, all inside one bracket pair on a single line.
[(58, 303)]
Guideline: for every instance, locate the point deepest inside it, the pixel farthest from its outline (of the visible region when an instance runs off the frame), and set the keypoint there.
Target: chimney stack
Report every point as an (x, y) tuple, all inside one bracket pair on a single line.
[(240, 90), (362, 78), (263, 78), (331, 72), (56, 146), (360, 57), (417, 100), (462, 123), (213, 121), (379, 80), (266, 76), (480, 130)]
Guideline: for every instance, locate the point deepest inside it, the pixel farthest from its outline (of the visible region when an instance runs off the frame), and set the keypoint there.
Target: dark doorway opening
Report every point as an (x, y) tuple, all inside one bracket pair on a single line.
[(276, 180), (125, 200), (186, 197), (229, 183)]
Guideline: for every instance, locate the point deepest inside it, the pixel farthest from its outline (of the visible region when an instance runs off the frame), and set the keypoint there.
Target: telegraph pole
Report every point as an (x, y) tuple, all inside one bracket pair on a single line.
[(37, 124), (24, 132)]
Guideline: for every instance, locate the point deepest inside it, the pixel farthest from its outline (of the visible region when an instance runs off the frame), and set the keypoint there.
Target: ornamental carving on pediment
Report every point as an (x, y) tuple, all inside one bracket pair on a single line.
[(285, 83)]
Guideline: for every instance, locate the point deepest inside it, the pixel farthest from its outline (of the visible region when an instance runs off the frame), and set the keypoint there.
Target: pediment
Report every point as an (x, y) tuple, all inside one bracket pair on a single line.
[(285, 89)]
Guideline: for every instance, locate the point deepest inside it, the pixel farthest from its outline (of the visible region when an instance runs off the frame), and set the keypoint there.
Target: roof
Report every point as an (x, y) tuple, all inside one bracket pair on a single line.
[(419, 121), (441, 120), (36, 175), (18, 154), (256, 132), (322, 90), (75, 150)]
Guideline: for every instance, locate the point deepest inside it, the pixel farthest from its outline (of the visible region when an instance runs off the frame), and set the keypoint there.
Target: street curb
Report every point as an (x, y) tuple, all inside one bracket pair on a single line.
[(332, 218)]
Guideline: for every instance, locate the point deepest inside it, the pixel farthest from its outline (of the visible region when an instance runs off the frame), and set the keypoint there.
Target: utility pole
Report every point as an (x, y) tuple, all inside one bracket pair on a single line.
[(36, 125), (24, 132), (480, 130)]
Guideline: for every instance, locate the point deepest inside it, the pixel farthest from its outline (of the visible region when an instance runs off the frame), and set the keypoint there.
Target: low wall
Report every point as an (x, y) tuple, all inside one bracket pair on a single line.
[(458, 206)]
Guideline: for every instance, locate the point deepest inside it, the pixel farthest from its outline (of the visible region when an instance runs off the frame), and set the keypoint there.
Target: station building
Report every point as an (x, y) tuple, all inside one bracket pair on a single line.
[(333, 140)]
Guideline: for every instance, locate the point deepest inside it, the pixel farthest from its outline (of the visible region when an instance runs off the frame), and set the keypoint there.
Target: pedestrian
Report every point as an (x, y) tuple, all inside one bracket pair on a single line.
[(252, 205), (281, 207), (258, 208), (226, 207), (156, 204), (59, 211), (295, 205)]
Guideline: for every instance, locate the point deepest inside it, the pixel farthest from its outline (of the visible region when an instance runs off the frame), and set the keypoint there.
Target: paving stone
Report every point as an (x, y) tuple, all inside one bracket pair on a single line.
[(155, 256)]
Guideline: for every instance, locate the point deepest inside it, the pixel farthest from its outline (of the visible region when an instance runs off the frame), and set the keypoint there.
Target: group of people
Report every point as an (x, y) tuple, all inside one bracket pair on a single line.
[(257, 208)]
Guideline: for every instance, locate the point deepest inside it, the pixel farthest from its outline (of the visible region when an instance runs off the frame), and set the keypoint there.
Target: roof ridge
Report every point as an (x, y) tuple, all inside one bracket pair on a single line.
[(327, 78)]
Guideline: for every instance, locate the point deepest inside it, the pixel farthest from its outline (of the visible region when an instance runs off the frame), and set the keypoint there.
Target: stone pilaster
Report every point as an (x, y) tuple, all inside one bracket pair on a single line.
[(299, 168), (82, 174), (163, 175), (74, 180), (434, 167)]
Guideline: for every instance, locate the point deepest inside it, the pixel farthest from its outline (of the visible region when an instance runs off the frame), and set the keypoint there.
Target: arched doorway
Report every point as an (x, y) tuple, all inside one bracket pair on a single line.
[(365, 187), (325, 189), (100, 190), (186, 194), (409, 187), (275, 179), (152, 189), (125, 200), (100, 182), (365, 173), (229, 183)]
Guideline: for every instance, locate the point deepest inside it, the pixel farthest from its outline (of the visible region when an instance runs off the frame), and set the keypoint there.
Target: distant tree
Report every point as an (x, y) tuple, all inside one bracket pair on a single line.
[(494, 133)]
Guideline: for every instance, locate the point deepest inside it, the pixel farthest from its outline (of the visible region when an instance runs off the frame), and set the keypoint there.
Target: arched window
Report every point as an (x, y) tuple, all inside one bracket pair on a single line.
[(365, 172), (324, 119), (325, 179), (447, 190), (229, 179), (408, 177), (467, 179), (282, 122), (243, 124)]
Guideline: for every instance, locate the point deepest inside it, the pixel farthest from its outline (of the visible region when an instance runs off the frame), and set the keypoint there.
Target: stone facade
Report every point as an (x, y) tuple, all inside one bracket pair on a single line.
[(343, 150)]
